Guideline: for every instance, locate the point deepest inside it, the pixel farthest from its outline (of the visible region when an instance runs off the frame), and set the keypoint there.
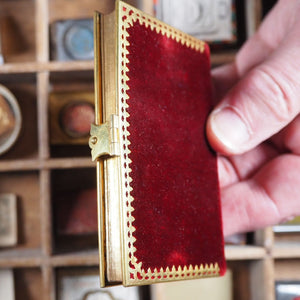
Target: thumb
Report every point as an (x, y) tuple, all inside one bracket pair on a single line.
[(264, 101)]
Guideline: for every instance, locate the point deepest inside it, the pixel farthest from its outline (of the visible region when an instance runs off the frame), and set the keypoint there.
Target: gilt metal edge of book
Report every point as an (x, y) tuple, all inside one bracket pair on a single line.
[(136, 275)]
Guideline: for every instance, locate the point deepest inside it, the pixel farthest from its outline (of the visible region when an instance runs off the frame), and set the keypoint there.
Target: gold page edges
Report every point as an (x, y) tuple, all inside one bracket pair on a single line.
[(133, 272)]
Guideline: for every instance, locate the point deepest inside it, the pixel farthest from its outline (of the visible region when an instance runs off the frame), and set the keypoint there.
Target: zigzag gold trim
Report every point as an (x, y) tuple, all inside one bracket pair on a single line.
[(134, 273), (161, 275), (129, 15)]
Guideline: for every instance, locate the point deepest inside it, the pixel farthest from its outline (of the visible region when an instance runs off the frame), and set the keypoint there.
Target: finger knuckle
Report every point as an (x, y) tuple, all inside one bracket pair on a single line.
[(275, 93)]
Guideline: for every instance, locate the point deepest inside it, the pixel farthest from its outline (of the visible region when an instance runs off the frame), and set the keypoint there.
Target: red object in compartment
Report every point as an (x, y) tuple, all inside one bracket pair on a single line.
[(76, 212), (76, 118)]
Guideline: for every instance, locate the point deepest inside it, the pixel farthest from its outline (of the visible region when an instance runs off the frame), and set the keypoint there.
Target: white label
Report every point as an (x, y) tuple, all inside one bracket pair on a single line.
[(205, 19)]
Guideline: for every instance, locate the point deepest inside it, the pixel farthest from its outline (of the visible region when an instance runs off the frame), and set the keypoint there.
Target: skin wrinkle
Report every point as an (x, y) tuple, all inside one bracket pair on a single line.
[(246, 218), (267, 194), (242, 167), (285, 101), (274, 191), (231, 175), (241, 213), (248, 210), (237, 172), (252, 208), (249, 163)]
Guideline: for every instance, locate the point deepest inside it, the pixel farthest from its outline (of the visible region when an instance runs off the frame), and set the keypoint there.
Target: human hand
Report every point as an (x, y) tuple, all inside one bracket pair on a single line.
[(256, 125)]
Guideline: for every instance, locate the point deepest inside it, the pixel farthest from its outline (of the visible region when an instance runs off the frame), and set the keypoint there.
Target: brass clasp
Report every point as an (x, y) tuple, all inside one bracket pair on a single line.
[(104, 139)]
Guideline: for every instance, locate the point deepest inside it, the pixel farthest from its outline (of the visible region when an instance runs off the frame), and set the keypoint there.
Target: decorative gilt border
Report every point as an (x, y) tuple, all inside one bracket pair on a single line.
[(133, 272)]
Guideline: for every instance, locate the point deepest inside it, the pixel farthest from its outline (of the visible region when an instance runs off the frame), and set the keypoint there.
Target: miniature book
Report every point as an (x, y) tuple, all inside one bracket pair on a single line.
[(158, 193)]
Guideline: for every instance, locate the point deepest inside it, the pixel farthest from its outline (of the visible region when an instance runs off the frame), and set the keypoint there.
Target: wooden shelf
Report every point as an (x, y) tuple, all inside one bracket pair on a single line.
[(286, 250), (90, 258), (20, 258), (52, 66), (35, 258), (246, 252), (84, 258), (38, 164)]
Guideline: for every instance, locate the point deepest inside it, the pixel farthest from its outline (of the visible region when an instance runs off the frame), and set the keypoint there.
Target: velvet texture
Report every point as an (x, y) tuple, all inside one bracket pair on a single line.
[(175, 182)]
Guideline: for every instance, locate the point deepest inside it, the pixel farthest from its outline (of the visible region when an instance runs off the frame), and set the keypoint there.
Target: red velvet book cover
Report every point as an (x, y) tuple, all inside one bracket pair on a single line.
[(171, 206)]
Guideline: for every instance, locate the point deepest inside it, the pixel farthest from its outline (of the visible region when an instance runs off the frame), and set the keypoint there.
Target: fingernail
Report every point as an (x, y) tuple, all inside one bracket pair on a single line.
[(230, 129)]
